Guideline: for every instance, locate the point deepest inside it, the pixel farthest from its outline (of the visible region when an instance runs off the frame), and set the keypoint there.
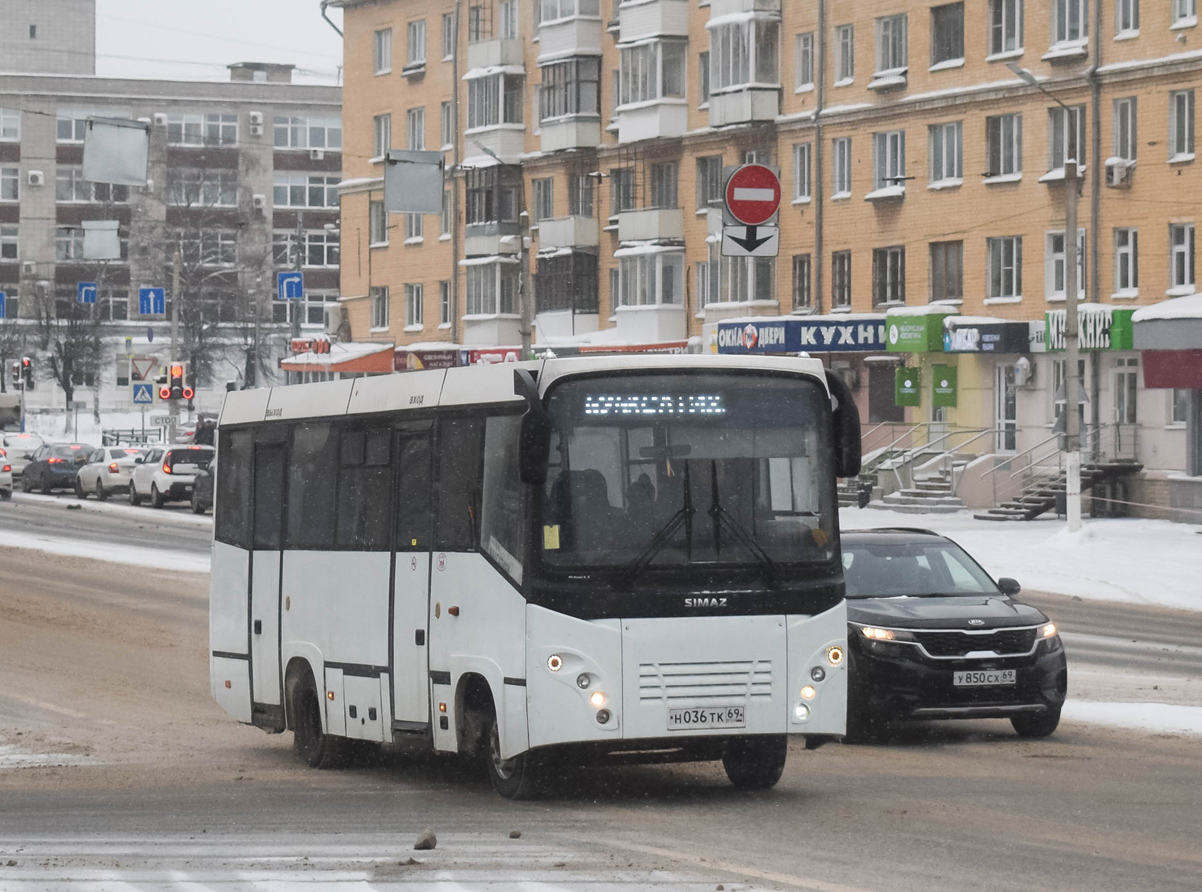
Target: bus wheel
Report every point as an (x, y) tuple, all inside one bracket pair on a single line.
[(513, 778), (755, 763), (319, 750)]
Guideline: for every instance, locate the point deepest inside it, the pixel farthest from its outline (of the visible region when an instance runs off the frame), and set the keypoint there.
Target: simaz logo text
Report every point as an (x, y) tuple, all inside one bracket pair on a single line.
[(704, 602)]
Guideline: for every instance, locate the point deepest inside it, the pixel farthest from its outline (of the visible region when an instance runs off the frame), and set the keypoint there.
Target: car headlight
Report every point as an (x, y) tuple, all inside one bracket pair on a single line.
[(874, 634), (1048, 631)]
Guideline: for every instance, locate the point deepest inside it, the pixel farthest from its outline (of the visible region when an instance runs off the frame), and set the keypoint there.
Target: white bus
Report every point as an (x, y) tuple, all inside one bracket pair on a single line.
[(586, 558)]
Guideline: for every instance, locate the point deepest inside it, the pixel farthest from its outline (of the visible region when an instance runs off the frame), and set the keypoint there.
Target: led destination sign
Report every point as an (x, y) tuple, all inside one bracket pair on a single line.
[(646, 404)]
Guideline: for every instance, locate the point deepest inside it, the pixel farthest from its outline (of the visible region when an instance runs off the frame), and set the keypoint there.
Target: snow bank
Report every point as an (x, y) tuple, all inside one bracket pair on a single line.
[(151, 558), (1156, 717), (1138, 561)]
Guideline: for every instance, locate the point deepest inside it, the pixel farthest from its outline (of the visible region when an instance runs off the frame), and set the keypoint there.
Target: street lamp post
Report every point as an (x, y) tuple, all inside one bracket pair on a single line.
[(1072, 419)]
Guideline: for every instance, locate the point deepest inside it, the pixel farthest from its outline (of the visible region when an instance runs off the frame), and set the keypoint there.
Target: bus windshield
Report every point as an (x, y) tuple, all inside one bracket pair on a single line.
[(713, 470)]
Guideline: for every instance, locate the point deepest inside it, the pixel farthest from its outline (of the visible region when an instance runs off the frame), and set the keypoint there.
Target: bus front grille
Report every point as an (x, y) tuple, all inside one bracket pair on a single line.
[(705, 683)]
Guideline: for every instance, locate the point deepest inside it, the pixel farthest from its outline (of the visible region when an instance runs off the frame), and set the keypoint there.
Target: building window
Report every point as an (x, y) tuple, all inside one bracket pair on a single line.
[(1185, 12), (947, 271), (1126, 17), (508, 12), (653, 71), (649, 279), (415, 52), (1004, 145), (448, 36), (572, 87), (207, 247), (947, 33), (382, 51), (743, 53), (68, 243), (492, 289), (543, 192), (446, 129), (321, 248), (663, 185), (379, 306), (415, 128), (377, 223), (307, 133), (193, 187), (708, 278), (554, 10), (494, 99), (10, 183), (414, 228), (703, 76), (1125, 128), (889, 275), (1181, 125), (1065, 134), (1181, 244), (621, 190), (758, 156), (946, 141), (1005, 259), (889, 155), (580, 196), (1126, 387), (1054, 265), (414, 295), (801, 172), (803, 296), (747, 280), (709, 181), (1070, 21), (444, 216), (840, 279), (845, 54), (494, 194), (72, 124), (803, 61), (1179, 413), (10, 125), (841, 169), (1126, 261), (444, 304), (8, 245), (202, 130), (891, 54), (301, 190), (382, 135), (1005, 26), (567, 282)]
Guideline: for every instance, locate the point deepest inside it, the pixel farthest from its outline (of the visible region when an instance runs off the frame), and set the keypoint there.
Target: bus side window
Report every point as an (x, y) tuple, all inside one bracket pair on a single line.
[(312, 476), (363, 485), (460, 454), (269, 497), (413, 491), (232, 504), (503, 516)]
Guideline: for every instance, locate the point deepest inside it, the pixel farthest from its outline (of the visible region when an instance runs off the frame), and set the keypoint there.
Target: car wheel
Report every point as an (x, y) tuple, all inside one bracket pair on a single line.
[(156, 498), (133, 494), (101, 492), (1038, 725), (318, 749), (513, 778), (755, 763), (47, 489), (26, 482), (197, 506), (79, 491), (6, 494)]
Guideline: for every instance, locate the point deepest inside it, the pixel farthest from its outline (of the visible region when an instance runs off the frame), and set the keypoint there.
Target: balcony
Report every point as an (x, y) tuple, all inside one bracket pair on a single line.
[(492, 330), (570, 132), (653, 18), (482, 239), (650, 225), (505, 141), (652, 119), (573, 36), (652, 324), (494, 53), (741, 106), (568, 232)]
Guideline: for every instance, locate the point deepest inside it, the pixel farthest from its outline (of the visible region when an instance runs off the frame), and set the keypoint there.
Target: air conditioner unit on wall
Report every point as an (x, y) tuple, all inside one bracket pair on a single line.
[(37, 178), (160, 120), (256, 129), (259, 202), (1118, 173), (29, 268), (317, 155), (255, 118)]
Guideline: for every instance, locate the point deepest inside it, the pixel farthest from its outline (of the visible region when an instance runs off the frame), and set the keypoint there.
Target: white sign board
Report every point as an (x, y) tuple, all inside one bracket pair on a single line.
[(750, 241)]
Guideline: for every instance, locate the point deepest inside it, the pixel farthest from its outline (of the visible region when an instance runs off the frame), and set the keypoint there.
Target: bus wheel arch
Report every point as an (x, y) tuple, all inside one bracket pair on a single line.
[(479, 736), (304, 715)]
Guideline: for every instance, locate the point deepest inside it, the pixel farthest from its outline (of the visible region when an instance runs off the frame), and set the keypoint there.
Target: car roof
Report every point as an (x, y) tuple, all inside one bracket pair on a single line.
[(900, 535)]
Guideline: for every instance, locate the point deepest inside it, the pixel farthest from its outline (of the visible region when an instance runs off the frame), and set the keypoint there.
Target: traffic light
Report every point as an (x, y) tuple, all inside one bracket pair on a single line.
[(16, 379), (27, 372), (177, 387)]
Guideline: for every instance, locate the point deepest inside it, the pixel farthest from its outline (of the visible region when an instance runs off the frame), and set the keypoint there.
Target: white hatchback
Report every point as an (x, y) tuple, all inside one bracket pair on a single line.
[(108, 471), (20, 449), (6, 476), (168, 473)]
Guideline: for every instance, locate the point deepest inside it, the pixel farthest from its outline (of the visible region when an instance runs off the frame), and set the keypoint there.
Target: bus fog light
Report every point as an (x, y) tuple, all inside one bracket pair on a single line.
[(818, 673), (555, 662), (583, 680), (801, 712), (834, 655), (808, 692), (598, 699), (603, 716)]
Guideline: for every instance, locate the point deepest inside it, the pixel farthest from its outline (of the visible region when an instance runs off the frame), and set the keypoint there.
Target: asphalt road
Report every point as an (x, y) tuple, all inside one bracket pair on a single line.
[(117, 771)]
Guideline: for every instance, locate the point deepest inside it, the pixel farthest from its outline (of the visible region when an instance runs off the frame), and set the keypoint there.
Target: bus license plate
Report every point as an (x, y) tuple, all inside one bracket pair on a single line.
[(682, 718), (984, 678)]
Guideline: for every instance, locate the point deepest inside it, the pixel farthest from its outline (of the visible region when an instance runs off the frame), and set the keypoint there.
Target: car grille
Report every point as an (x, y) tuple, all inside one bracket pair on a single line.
[(734, 681), (957, 644)]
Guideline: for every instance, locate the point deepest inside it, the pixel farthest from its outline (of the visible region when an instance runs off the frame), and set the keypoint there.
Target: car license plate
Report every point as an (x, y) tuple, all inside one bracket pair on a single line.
[(983, 678), (687, 718)]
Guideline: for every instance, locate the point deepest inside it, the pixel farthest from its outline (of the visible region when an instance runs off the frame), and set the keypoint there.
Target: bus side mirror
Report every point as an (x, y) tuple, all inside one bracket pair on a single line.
[(534, 439), (846, 418)]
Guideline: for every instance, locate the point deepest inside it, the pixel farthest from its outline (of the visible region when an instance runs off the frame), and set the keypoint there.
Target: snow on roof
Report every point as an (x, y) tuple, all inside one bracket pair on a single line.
[(933, 309), (978, 320), (476, 73), (340, 351), (490, 258), (630, 249), (833, 317), (1188, 307)]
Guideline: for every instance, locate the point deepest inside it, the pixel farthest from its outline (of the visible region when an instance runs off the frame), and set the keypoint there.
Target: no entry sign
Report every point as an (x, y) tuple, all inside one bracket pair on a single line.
[(752, 194)]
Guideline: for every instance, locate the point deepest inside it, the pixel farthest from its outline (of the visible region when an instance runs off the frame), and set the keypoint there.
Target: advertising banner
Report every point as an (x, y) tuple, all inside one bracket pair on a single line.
[(861, 333), (907, 387), (943, 385), (1098, 328), (916, 333)]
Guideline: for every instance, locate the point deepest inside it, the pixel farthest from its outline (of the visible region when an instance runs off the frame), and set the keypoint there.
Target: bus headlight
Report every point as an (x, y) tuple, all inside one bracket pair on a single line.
[(597, 699), (808, 692), (801, 712)]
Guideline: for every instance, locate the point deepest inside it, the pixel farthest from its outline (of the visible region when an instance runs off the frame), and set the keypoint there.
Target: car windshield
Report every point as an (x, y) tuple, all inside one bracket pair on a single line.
[(72, 451), (705, 470), (914, 569)]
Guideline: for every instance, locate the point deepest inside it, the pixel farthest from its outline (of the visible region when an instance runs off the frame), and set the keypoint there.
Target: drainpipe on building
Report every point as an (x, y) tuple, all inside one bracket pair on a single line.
[(1095, 203), (325, 15), (819, 159)]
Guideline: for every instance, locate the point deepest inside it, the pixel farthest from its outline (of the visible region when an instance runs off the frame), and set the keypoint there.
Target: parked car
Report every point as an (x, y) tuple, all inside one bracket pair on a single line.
[(932, 636), (167, 474), (202, 490), (6, 476), (20, 449), (54, 466), (108, 471)]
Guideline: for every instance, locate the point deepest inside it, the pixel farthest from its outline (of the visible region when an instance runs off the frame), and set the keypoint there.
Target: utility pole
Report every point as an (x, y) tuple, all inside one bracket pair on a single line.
[(176, 298), (298, 262), (526, 317)]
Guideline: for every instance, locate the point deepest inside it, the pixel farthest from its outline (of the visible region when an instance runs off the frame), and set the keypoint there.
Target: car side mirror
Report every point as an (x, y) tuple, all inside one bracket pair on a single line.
[(139, 460), (1008, 586), (846, 417)]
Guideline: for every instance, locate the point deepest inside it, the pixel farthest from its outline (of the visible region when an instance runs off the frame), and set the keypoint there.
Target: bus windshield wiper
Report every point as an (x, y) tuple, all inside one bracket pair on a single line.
[(683, 517), (722, 517)]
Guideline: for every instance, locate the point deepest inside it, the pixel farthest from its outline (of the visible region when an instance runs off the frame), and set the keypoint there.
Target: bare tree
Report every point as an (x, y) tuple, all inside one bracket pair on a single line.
[(69, 334)]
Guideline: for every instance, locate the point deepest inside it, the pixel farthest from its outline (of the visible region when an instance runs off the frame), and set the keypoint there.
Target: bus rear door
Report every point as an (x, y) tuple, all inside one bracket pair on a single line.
[(411, 578), (266, 562)]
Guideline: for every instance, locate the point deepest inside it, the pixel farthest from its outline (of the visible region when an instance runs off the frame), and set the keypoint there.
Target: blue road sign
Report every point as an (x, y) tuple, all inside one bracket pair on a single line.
[(85, 293), (143, 395), (152, 301), (3, 305), (290, 286)]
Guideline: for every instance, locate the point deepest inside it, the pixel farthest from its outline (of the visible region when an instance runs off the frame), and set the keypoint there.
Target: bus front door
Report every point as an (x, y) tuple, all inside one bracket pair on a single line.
[(411, 579), (266, 561)]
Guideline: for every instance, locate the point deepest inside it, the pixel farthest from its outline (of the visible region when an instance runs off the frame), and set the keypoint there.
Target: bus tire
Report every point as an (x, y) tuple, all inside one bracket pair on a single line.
[(755, 763), (318, 749), (514, 778)]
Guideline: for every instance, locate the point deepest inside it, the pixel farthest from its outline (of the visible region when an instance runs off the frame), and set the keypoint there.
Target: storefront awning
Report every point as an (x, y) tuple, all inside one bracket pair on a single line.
[(325, 356), (1169, 325), (917, 329)]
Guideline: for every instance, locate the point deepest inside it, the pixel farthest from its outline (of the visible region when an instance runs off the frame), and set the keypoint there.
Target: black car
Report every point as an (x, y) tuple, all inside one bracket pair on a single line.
[(932, 636), (202, 488), (54, 466)]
